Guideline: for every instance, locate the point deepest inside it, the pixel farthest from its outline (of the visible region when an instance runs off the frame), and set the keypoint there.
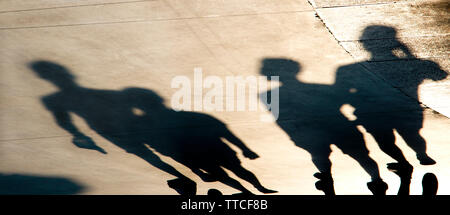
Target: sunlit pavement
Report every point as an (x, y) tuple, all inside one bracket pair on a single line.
[(115, 44)]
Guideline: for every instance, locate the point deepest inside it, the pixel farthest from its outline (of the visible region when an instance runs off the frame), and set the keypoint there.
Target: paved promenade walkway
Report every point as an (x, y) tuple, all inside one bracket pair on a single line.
[(86, 91)]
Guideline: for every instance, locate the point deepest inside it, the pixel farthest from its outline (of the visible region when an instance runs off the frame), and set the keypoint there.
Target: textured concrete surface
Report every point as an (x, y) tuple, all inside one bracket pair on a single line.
[(347, 3), (113, 45)]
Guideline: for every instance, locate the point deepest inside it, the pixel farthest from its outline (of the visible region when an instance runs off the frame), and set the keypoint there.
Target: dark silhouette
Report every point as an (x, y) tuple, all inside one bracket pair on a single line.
[(310, 115), (429, 184), (381, 111), (17, 184), (135, 119), (429, 180), (214, 193)]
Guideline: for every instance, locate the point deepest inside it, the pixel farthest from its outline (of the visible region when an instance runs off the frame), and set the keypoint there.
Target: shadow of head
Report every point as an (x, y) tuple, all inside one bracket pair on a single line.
[(284, 68), (383, 44), (382, 40), (55, 73), (378, 32)]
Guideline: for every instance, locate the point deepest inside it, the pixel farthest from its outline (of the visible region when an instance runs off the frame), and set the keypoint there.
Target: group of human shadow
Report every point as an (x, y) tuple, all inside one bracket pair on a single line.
[(137, 121)]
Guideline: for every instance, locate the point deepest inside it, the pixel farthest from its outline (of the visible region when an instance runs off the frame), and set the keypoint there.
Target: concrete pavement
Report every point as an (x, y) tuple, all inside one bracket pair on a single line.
[(117, 44)]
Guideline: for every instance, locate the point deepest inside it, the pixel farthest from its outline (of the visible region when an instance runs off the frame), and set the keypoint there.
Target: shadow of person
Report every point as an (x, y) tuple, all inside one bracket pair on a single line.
[(136, 120), (310, 115), (195, 140), (381, 109)]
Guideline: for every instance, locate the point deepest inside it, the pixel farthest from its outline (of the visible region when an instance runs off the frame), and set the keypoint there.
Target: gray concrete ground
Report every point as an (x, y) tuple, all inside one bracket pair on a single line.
[(362, 67)]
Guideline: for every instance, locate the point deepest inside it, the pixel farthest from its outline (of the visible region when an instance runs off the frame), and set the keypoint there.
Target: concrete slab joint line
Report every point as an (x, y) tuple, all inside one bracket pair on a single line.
[(353, 3), (130, 12), (77, 5), (313, 4)]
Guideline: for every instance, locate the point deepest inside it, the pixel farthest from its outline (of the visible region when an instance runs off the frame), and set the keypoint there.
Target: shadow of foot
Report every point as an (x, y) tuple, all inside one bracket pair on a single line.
[(377, 187), (403, 170), (265, 190), (183, 186), (425, 159)]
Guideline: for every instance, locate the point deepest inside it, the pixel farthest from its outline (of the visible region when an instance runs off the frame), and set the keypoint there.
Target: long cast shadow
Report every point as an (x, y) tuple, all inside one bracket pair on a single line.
[(135, 119), (383, 111), (377, 110), (310, 113)]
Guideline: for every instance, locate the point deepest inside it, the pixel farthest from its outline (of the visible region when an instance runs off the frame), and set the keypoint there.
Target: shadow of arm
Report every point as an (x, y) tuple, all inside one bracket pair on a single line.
[(238, 142), (64, 121)]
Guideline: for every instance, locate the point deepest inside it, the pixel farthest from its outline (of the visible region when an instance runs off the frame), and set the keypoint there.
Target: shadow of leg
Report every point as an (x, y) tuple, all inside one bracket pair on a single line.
[(386, 142), (250, 177), (418, 144), (325, 183), (182, 184), (410, 132), (377, 186)]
